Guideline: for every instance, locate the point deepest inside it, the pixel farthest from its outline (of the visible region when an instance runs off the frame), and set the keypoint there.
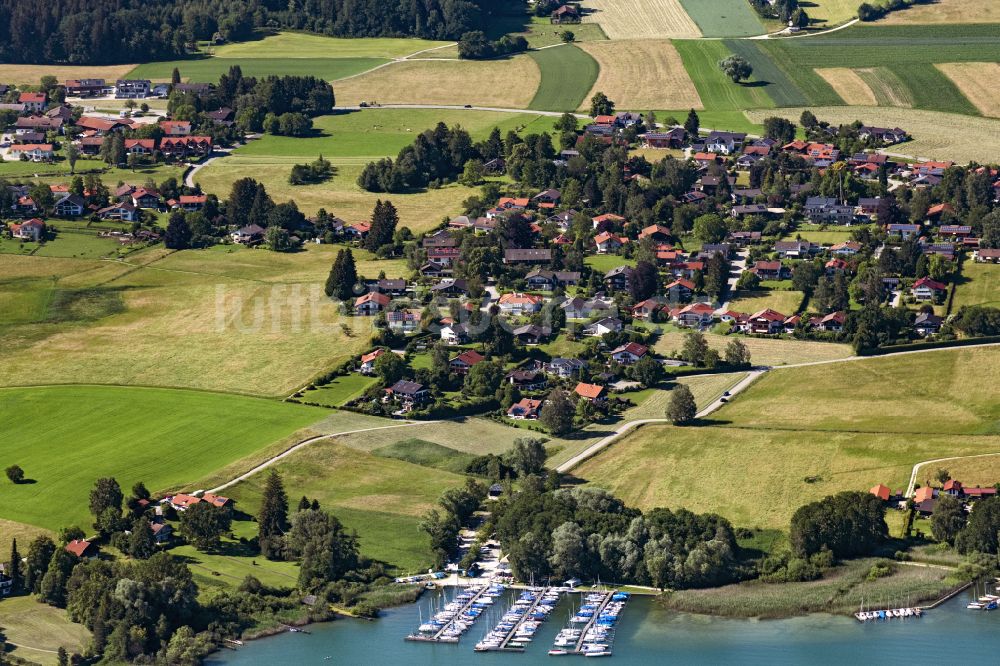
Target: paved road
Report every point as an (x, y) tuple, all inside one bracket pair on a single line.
[(306, 442), (626, 428), (457, 107), (189, 176)]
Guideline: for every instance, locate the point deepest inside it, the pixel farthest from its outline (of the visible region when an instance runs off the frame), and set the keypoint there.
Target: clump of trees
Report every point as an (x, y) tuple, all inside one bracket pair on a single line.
[(436, 156), (847, 524), (310, 174), (736, 68), (474, 45)]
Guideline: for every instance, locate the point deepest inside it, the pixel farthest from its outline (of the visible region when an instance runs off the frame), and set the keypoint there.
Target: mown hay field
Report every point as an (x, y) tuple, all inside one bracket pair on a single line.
[(771, 472), (978, 285), (973, 138), (30, 624), (209, 69), (946, 11), (509, 83), (131, 323), (763, 351), (568, 74), (642, 74), (978, 82), (31, 74), (641, 19), (163, 437), (305, 45), (827, 13), (886, 86), (724, 18)]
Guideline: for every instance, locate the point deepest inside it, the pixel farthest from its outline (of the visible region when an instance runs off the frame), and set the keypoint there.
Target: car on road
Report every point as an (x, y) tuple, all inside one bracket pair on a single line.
[(726, 394)]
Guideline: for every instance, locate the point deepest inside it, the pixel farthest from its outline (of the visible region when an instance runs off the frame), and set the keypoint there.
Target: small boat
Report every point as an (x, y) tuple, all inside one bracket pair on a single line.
[(556, 653), (603, 653)]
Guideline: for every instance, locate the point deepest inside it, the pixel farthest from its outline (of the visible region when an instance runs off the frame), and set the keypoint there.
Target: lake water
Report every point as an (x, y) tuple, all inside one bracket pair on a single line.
[(648, 634)]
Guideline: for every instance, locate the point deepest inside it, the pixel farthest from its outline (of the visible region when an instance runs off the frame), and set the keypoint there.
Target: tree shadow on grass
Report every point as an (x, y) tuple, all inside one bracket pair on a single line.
[(755, 84)]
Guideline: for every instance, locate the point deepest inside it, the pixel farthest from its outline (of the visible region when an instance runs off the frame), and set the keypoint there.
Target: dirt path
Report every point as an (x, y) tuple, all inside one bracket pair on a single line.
[(916, 468)]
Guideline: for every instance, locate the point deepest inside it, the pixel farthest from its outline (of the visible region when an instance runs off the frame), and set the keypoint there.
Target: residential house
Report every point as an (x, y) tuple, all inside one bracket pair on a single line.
[(143, 198), (827, 210), (34, 102), (904, 231), (450, 287), (748, 209), (608, 243), (846, 249), (181, 147), (725, 143), (132, 88), (617, 278), (403, 321), (526, 408), (695, 315), (629, 353), (90, 145), (882, 492), (371, 303), (832, 323), (191, 202), (834, 266), (140, 146), (926, 289), (176, 127), (743, 238), (37, 124), (766, 322), (515, 303), (83, 549), (248, 235), (527, 256), (30, 230), (591, 392), (531, 334), (443, 255), (679, 290), (645, 309), (882, 135), (768, 270), (34, 152), (578, 308), (565, 14), (958, 231), (547, 198), (603, 327), (367, 366), (672, 138), (409, 393), (87, 87), (987, 255), (124, 211), (70, 206), (927, 323), (391, 286), (798, 249), (657, 232), (455, 334), (162, 532), (545, 280), (462, 363), (608, 220), (565, 367), (526, 379)]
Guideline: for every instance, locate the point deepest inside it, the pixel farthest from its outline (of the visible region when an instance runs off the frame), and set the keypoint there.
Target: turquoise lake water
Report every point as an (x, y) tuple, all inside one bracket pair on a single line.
[(648, 634)]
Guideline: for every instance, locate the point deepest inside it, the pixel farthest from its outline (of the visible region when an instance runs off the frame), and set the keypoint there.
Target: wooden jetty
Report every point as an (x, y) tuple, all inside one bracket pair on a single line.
[(438, 636), (517, 625), (578, 649)]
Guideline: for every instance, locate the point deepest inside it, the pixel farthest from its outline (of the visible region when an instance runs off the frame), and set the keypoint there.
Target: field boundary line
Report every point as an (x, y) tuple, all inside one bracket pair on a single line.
[(302, 444)]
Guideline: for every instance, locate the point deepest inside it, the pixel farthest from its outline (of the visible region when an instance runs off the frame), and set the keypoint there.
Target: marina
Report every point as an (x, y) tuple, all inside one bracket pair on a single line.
[(519, 624), (458, 615), (599, 614)]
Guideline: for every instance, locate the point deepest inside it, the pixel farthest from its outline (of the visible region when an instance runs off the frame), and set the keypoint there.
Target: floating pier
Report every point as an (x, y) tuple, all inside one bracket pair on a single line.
[(598, 614), (519, 623), (888, 614), (448, 625)]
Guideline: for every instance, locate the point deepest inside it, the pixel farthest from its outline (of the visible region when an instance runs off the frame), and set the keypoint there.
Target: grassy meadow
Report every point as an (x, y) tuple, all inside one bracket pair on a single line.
[(724, 18), (784, 301), (717, 92), (568, 74), (979, 284), (45, 628), (627, 67), (65, 437), (763, 351)]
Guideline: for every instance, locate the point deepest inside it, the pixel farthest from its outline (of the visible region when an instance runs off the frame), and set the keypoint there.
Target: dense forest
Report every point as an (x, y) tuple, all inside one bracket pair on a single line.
[(100, 32)]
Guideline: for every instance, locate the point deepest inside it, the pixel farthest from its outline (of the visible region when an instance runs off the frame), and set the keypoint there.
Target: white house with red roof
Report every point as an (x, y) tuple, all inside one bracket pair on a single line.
[(371, 303), (694, 315), (926, 289), (367, 366), (30, 230), (34, 102), (767, 322), (462, 363), (629, 353), (516, 303)]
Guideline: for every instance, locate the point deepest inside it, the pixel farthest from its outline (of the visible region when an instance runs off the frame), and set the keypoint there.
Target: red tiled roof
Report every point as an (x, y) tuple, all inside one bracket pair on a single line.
[(372, 355), (882, 492), (78, 547), (470, 357), (590, 391), (923, 494)]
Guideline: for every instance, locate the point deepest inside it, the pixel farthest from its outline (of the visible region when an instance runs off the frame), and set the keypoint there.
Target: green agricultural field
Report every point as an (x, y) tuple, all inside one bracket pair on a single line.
[(724, 18), (301, 54), (427, 454), (541, 32), (908, 52), (978, 285), (917, 394), (165, 438), (779, 85), (718, 93), (45, 628), (340, 390), (381, 498), (568, 74)]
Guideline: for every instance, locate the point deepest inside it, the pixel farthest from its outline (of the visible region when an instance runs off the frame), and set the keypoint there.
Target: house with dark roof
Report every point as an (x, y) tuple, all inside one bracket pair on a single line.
[(409, 393), (629, 353), (527, 256), (251, 234)]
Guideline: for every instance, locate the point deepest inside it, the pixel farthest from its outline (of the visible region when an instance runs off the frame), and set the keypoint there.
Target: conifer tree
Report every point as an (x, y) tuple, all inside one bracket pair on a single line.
[(272, 520), (15, 570), (343, 276), (384, 221)]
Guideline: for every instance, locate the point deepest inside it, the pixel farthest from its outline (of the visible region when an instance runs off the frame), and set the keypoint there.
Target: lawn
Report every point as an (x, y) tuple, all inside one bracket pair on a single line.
[(763, 351), (772, 74), (133, 322), (568, 74), (165, 438), (340, 390), (427, 454), (848, 85), (627, 67), (381, 498), (724, 18), (541, 32), (472, 435), (974, 139), (643, 19), (822, 235), (717, 92), (831, 12), (605, 262), (446, 82), (784, 301), (705, 388), (25, 621), (979, 285), (918, 394), (970, 471)]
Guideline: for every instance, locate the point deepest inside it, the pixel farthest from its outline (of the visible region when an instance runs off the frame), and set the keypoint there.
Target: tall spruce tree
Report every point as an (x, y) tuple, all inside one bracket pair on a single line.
[(691, 125), (15, 570), (39, 555), (142, 543), (178, 234), (272, 521), (343, 276), (384, 221)]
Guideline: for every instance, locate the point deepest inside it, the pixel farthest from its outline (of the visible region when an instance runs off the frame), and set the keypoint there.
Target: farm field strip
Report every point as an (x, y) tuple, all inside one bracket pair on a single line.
[(780, 86), (887, 88), (31, 74), (945, 12), (724, 18), (568, 74), (208, 70), (849, 85), (764, 351), (641, 19), (628, 67), (701, 60), (977, 81), (974, 139)]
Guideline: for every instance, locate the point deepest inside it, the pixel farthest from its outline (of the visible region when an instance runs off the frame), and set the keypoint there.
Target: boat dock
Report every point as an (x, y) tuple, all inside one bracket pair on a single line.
[(599, 614), (458, 615), (519, 623), (887, 614)]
